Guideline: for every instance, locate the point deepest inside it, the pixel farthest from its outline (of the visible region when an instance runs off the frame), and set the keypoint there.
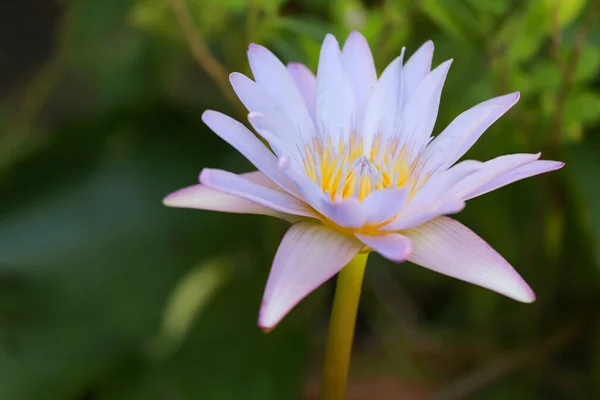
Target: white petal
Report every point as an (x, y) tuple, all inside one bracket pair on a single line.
[(491, 170), (336, 106), (238, 136), (384, 109), (308, 255), (360, 67), (420, 113), (392, 246), (383, 205), (450, 145), (274, 77), (417, 67), (348, 213), (448, 247), (436, 188), (438, 209), (202, 198), (257, 100), (307, 84), (525, 171), (235, 185)]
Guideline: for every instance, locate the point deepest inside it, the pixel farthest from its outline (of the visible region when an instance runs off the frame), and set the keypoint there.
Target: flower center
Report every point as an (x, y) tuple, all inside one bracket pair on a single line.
[(344, 170)]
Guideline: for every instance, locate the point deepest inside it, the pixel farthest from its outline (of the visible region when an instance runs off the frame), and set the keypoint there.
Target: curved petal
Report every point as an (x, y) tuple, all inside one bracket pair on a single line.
[(441, 208), (274, 77), (336, 106), (420, 113), (525, 171), (417, 67), (244, 141), (450, 145), (202, 198), (257, 100), (384, 205), (308, 255), (384, 108), (306, 82), (360, 67), (348, 213), (448, 247), (235, 185), (393, 246), (491, 170)]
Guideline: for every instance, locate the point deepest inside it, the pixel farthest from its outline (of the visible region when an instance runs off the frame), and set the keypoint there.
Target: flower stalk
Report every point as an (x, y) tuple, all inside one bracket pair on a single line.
[(341, 328)]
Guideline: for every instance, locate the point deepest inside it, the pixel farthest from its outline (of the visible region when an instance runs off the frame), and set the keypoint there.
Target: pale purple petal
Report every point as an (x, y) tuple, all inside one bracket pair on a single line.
[(336, 106), (257, 100), (383, 205), (308, 255), (238, 136), (384, 109), (265, 128), (393, 246), (450, 145), (436, 188), (525, 171), (307, 84), (274, 77), (417, 67), (235, 185), (360, 67), (202, 198), (491, 170), (440, 208), (420, 113), (348, 213), (448, 247)]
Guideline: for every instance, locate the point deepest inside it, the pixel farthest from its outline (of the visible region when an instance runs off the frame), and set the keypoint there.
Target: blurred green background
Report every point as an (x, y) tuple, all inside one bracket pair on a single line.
[(106, 294)]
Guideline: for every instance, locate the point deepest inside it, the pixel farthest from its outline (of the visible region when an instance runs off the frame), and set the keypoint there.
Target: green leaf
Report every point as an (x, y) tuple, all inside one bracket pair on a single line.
[(566, 11), (582, 107), (588, 64)]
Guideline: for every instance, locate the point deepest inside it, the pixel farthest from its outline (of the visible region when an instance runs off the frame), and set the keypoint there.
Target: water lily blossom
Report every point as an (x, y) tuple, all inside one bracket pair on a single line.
[(354, 167)]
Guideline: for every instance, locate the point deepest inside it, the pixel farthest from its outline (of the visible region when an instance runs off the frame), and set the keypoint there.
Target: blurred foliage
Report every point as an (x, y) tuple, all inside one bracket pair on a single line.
[(106, 294)]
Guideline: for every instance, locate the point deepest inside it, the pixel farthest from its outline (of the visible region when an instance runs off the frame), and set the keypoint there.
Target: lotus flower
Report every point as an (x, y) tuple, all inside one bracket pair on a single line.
[(354, 167)]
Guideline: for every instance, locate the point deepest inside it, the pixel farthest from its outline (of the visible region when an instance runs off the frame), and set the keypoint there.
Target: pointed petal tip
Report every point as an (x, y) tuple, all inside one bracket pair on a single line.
[(355, 36), (169, 200), (252, 47)]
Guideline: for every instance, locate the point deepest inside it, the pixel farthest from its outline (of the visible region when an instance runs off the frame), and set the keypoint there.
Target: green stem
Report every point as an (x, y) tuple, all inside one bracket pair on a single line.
[(341, 328)]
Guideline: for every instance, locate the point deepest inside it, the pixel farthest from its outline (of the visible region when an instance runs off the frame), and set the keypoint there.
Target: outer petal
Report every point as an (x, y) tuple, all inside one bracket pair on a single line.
[(238, 136), (420, 113), (233, 184), (202, 198), (336, 106), (307, 84), (272, 75), (527, 170), (448, 247), (450, 145), (392, 246), (360, 67), (308, 255), (491, 170), (417, 67)]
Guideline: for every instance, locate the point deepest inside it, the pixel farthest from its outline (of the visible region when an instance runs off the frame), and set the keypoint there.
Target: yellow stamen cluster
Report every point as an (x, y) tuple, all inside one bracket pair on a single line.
[(344, 170)]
